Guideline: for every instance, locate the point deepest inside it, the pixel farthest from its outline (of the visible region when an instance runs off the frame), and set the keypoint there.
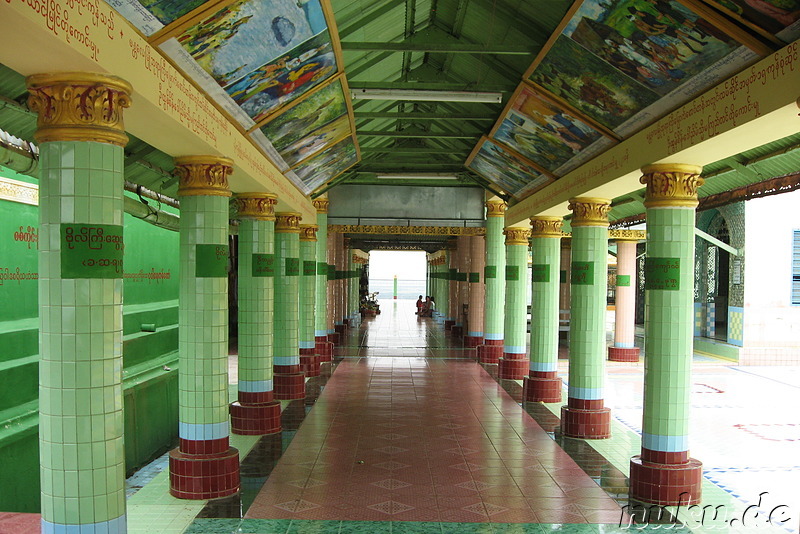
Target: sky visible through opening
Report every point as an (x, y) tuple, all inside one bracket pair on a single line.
[(408, 266)]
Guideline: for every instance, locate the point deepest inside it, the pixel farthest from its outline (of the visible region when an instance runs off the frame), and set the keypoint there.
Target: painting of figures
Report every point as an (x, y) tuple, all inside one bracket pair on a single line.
[(250, 33), (770, 15), (543, 132), (270, 85), (319, 140), (327, 165), (302, 119), (500, 167), (659, 43), (591, 85)]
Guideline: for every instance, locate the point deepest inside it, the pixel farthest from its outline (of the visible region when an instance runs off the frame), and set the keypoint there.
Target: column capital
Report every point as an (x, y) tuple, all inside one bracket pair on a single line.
[(260, 206), (589, 211), (308, 232), (495, 208), (543, 226), (203, 176), (287, 222), (517, 236), (671, 185), (79, 106), (321, 205)]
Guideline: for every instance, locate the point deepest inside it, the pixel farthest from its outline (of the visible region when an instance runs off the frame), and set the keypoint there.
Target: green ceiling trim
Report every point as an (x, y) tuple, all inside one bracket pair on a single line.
[(447, 48), (436, 86), (400, 150), (421, 116), (418, 135)]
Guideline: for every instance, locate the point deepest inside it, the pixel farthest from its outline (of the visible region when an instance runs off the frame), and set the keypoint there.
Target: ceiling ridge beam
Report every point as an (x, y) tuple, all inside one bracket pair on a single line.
[(448, 48)]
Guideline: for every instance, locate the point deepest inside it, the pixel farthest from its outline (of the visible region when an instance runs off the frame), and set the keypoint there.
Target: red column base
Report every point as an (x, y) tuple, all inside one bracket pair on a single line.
[(309, 362), (323, 348), (203, 476), (619, 354), (513, 366), (490, 351), (541, 389), (255, 419), (334, 338), (472, 341), (448, 324), (586, 424), (457, 331), (339, 328), (666, 484), (289, 386)]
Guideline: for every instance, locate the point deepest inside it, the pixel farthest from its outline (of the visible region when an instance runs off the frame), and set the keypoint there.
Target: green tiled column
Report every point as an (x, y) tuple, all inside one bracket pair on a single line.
[(514, 363), (477, 252), (323, 346), (452, 287), (443, 299), (333, 335), (80, 301), (256, 412), (494, 277), (462, 285), (543, 383), (585, 415), (204, 466), (289, 380), (664, 473), (309, 362)]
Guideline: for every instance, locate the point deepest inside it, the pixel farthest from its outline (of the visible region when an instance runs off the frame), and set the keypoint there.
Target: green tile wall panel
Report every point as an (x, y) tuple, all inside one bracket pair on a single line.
[(494, 298), (546, 254), (321, 297), (516, 301)]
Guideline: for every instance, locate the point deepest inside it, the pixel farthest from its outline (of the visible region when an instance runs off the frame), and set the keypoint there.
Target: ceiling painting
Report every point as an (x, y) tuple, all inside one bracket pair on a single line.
[(327, 165), (499, 166)]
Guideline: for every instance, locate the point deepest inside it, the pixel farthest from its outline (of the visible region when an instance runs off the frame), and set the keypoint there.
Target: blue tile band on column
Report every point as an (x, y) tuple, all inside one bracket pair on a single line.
[(585, 393), (655, 442), (493, 337), (112, 526), (475, 334), (624, 345), (286, 360), (255, 386), (203, 432), (306, 344), (320, 333), (511, 349), (544, 366)]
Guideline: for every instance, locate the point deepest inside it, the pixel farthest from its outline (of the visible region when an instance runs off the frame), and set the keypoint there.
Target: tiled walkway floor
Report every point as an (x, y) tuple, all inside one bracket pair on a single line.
[(411, 439)]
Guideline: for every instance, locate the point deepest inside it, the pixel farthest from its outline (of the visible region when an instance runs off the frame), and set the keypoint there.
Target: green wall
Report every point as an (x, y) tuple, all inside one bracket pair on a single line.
[(150, 296)]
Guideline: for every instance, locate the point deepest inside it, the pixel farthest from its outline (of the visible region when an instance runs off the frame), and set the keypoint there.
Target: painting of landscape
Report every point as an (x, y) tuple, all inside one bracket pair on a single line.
[(250, 33), (327, 165), (298, 128), (543, 132), (773, 16), (503, 169)]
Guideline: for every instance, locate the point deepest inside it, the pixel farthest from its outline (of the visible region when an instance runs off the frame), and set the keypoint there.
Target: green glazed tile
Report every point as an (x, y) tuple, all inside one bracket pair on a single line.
[(299, 526), (366, 527), (416, 527), (264, 526)]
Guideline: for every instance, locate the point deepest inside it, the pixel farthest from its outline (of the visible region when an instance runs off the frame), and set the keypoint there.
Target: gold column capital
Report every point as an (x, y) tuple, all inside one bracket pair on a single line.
[(543, 226), (671, 185), (517, 236), (79, 106), (321, 205), (589, 211), (203, 175), (288, 222), (260, 206), (308, 232), (495, 208)]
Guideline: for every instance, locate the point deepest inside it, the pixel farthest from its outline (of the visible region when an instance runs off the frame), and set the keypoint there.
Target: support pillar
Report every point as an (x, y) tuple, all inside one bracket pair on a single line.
[(323, 346), (80, 300), (664, 473), (476, 292), (333, 335), (563, 286), (623, 349), (543, 384), (452, 287), (462, 284), (309, 362), (585, 415), (204, 466), (495, 291), (256, 412), (289, 380), (443, 279), (514, 363), (338, 283)]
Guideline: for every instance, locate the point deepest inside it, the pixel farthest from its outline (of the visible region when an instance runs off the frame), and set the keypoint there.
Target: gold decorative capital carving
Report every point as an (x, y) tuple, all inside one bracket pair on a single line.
[(517, 236), (79, 106), (495, 208), (203, 176), (321, 205), (546, 226), (308, 232), (671, 185), (288, 222), (259, 206), (589, 211)]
